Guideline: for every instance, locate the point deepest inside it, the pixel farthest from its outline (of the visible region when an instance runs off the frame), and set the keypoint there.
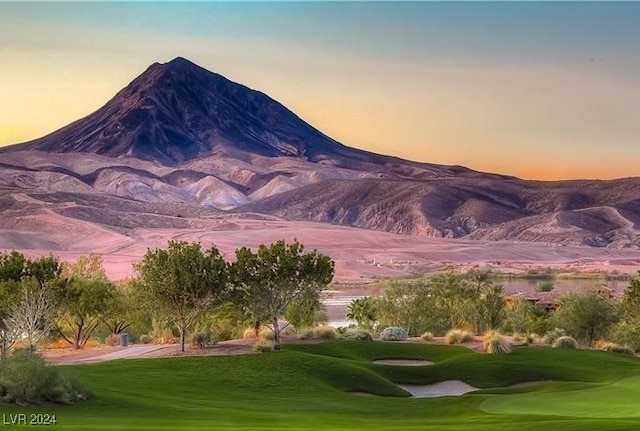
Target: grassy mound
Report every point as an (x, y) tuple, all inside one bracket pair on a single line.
[(317, 386)]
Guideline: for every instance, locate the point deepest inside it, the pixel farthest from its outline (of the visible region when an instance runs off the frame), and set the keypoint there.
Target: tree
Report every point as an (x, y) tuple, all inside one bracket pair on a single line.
[(364, 311), (87, 267), (120, 319), (630, 304), (586, 315), (84, 305), (453, 295), (27, 304), (628, 329), (182, 282), (33, 314), (12, 266), (273, 278), (303, 312), (487, 301)]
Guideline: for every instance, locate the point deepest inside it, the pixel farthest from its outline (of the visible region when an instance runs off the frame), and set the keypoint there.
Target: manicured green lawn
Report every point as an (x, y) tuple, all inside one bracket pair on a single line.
[(310, 387)]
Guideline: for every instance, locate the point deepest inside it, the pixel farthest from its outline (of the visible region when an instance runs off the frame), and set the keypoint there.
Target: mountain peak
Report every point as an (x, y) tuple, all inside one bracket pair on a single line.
[(178, 111)]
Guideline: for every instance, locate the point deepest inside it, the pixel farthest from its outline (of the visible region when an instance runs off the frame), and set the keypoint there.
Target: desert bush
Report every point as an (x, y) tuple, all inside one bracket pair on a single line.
[(458, 336), (544, 286), (249, 333), (305, 334), (266, 334), (495, 343), (551, 336), (202, 340), (25, 378), (112, 340), (394, 333), (325, 332), (165, 336), (565, 342), (145, 339), (264, 346), (618, 348), (427, 336), (357, 334), (58, 343)]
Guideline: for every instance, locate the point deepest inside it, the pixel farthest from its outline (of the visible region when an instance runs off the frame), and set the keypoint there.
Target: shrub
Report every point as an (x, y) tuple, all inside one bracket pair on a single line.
[(59, 343), (427, 336), (551, 336), (565, 342), (325, 333), (617, 348), (544, 286), (495, 343), (394, 333), (112, 340), (165, 337), (249, 333), (145, 339), (202, 340), (467, 336), (264, 346), (266, 334), (305, 334), (27, 379), (357, 334), (458, 336)]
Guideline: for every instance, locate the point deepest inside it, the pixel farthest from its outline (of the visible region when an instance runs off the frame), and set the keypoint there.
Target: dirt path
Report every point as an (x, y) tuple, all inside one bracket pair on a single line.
[(102, 354)]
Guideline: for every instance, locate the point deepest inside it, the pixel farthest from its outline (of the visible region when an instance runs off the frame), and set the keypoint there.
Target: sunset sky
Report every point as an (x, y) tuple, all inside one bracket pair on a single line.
[(537, 89)]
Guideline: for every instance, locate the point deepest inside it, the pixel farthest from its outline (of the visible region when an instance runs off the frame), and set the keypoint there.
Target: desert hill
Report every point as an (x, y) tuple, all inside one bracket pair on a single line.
[(182, 148)]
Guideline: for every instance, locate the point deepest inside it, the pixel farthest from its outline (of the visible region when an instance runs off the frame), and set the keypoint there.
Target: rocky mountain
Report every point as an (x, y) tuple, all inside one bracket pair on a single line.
[(180, 144)]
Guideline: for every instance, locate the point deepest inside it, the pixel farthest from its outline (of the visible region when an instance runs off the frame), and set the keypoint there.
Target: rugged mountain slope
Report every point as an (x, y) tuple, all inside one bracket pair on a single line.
[(180, 145), (178, 111), (593, 213)]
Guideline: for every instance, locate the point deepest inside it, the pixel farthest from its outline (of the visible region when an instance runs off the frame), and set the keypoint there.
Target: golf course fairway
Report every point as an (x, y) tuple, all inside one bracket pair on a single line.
[(336, 386)]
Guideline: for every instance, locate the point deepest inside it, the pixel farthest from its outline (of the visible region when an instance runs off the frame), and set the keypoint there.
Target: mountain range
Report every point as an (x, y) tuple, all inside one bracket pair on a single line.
[(180, 146)]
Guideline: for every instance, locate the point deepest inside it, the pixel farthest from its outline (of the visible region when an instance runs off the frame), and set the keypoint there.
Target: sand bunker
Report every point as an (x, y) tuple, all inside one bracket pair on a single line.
[(448, 388), (403, 362)]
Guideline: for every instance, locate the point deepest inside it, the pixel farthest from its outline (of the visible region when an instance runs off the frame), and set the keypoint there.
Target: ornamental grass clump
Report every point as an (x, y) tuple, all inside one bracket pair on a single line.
[(325, 332), (264, 346), (427, 336), (551, 336), (618, 348), (202, 340), (495, 343), (458, 336), (357, 334), (394, 333), (565, 342)]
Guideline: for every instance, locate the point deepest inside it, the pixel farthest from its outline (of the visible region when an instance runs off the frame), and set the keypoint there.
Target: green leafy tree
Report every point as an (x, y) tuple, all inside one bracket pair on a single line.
[(84, 305), (12, 266), (182, 282), (302, 313), (586, 315), (627, 331), (412, 306), (486, 301), (364, 311), (453, 296), (273, 278)]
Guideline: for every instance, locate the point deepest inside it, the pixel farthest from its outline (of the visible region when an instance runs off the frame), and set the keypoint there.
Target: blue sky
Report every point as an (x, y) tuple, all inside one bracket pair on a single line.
[(535, 89)]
